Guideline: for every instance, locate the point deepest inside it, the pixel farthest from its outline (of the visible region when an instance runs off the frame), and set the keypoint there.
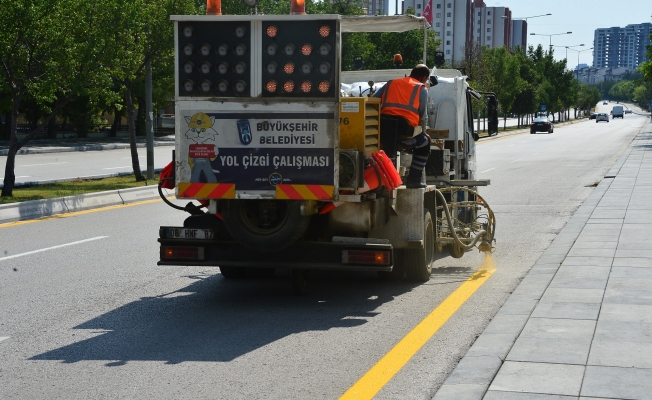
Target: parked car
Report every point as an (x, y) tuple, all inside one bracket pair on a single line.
[(602, 117), (541, 125), (593, 115)]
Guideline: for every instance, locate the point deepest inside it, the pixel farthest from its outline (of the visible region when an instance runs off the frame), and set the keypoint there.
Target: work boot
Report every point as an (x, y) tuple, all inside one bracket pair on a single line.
[(415, 182)]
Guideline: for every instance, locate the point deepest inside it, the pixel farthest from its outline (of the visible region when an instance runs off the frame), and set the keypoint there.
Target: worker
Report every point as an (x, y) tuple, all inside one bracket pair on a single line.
[(403, 112)]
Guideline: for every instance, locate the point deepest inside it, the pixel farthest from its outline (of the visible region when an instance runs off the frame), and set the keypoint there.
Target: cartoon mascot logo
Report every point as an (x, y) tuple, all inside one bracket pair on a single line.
[(200, 128), (202, 154)]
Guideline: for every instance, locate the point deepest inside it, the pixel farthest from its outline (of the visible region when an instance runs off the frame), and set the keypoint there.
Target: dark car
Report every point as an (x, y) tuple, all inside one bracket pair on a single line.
[(593, 115), (541, 125)]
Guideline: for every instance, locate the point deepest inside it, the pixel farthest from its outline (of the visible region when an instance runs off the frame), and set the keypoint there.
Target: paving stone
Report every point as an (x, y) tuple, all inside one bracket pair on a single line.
[(631, 272), (617, 383), (635, 245), (606, 226), (560, 250), (573, 295), (506, 324), (552, 258), (623, 331), (562, 341), (595, 245), (457, 392), (559, 379), (617, 283), (621, 354), (609, 213), (495, 345), (592, 252), (518, 305), (542, 280), (626, 312), (634, 253), (579, 282), (597, 398), (632, 262), (619, 296), (590, 261), (499, 395), (475, 370), (555, 309), (532, 289), (583, 270)]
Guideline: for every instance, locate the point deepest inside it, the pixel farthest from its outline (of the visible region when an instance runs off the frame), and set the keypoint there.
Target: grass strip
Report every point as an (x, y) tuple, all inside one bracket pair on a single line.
[(75, 187)]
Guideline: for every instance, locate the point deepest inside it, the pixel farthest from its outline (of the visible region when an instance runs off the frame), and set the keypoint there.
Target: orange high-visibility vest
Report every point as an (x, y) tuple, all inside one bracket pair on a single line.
[(401, 98)]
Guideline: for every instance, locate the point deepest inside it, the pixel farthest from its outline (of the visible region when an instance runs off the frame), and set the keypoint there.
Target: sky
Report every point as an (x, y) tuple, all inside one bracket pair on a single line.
[(580, 17)]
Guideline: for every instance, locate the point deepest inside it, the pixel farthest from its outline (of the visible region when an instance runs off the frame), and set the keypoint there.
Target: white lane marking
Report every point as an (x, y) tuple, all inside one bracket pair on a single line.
[(53, 247), (490, 169), (38, 165), (535, 154), (514, 161), (128, 166), (23, 176), (3, 338)]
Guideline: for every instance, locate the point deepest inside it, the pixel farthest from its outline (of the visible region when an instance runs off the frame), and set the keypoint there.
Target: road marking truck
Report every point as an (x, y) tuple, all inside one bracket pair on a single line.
[(289, 166)]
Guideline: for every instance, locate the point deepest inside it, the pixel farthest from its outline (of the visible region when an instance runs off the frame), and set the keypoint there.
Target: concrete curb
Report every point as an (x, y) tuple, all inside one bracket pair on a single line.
[(527, 130), (48, 181), (475, 372), (65, 149), (49, 207)]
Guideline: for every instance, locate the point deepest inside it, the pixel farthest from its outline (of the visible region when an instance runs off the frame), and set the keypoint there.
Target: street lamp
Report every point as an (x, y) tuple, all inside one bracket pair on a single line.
[(569, 47), (550, 36), (578, 61), (525, 18)]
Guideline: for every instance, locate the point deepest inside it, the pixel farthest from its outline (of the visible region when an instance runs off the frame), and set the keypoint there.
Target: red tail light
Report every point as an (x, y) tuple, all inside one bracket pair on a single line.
[(368, 257), (182, 253)]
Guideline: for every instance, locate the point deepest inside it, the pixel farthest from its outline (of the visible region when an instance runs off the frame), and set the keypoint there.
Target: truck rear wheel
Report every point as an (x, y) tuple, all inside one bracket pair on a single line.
[(265, 225), (418, 262)]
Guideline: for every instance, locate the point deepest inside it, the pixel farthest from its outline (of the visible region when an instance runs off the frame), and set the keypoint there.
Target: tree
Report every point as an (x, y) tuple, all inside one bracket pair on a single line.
[(143, 32), (50, 50), (503, 68)]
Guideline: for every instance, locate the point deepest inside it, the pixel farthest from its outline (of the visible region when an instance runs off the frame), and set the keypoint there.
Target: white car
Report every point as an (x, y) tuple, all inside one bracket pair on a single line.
[(602, 117)]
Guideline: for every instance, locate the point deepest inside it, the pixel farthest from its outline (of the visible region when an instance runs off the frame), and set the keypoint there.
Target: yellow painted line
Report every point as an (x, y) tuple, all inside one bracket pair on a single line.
[(392, 362), (75, 213)]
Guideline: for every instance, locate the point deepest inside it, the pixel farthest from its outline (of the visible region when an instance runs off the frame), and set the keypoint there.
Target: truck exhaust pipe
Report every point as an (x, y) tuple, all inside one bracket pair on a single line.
[(213, 7)]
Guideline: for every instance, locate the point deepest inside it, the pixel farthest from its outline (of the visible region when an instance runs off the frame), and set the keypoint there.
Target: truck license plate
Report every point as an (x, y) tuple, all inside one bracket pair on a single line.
[(187, 233)]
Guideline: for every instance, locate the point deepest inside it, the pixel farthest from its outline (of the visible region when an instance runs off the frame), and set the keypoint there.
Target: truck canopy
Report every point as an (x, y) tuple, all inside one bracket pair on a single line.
[(383, 23)]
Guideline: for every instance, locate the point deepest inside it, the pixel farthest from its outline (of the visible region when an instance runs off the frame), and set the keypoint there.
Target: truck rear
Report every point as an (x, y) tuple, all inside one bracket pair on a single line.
[(290, 171)]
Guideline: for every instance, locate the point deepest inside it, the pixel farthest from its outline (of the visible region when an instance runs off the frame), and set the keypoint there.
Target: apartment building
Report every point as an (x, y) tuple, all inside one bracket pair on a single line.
[(461, 23), (621, 47), (376, 7)]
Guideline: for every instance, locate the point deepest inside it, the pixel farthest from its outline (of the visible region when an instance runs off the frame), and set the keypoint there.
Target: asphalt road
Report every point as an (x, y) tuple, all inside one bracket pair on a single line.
[(98, 319), (50, 166)]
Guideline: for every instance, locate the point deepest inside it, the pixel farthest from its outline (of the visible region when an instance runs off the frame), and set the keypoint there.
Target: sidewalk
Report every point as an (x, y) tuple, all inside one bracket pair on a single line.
[(65, 145), (579, 324)]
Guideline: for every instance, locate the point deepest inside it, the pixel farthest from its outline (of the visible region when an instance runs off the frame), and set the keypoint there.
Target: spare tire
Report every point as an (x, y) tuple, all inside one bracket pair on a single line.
[(265, 225)]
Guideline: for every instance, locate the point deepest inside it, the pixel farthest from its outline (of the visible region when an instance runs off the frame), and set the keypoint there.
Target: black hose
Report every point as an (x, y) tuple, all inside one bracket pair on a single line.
[(189, 208)]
